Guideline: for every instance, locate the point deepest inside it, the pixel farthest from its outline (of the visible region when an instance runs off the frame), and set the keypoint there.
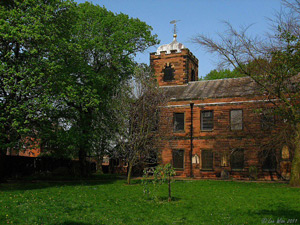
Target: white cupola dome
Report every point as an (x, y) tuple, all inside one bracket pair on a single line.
[(174, 45)]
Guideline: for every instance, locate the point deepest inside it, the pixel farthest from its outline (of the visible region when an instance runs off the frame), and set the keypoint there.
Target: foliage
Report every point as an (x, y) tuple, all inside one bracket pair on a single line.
[(31, 35), (61, 64), (157, 176), (112, 202), (222, 74), (273, 63), (150, 183), (101, 60), (257, 67)]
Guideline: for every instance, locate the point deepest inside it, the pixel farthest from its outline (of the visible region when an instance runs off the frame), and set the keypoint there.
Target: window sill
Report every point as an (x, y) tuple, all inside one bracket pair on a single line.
[(179, 132), (207, 170), (269, 170), (237, 170), (179, 169)]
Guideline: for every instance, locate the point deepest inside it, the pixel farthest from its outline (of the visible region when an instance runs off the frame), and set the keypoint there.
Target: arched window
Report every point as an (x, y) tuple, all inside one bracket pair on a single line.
[(168, 73), (237, 159)]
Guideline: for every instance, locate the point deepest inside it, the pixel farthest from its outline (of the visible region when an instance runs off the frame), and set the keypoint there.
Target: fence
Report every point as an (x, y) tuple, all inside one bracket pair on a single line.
[(17, 166)]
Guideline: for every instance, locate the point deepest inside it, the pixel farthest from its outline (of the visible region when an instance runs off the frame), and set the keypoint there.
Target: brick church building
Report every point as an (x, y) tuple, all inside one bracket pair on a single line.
[(215, 129)]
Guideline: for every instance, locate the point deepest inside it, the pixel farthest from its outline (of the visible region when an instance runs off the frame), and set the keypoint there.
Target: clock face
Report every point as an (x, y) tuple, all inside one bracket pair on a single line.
[(168, 73)]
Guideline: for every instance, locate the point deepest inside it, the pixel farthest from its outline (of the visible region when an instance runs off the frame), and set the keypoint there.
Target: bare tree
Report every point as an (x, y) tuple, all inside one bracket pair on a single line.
[(139, 112), (274, 66)]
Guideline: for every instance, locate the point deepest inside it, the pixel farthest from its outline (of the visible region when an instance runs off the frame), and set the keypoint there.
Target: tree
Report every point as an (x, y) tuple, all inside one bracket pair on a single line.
[(222, 73), (139, 115), (256, 67), (30, 35), (61, 63), (160, 175), (100, 58), (274, 66)]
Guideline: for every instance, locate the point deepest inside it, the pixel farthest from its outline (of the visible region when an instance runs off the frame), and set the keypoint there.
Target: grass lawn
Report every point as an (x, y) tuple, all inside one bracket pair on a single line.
[(110, 201)]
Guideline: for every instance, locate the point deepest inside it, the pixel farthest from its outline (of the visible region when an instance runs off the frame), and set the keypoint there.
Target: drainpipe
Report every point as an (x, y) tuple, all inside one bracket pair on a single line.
[(191, 150)]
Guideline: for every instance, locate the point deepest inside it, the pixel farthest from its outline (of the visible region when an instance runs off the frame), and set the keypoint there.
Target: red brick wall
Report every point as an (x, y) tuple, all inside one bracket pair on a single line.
[(220, 140), (183, 62)]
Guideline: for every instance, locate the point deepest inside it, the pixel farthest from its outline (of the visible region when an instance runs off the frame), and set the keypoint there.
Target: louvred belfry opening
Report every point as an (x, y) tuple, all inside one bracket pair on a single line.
[(168, 73)]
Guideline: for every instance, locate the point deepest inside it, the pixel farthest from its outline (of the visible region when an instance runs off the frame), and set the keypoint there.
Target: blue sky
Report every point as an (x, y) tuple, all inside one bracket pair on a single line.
[(196, 16)]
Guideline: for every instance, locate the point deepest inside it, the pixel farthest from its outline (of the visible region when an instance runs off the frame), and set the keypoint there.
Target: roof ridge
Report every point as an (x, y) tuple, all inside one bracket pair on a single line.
[(230, 78)]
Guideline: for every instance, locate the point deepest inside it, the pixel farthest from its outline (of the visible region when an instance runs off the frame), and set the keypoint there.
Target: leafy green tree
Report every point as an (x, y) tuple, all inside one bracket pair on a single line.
[(61, 63), (274, 66), (31, 33), (258, 66), (97, 61), (222, 74)]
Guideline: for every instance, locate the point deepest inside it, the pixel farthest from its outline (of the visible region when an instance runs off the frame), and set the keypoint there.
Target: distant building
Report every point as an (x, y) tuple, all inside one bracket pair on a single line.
[(30, 148), (215, 131)]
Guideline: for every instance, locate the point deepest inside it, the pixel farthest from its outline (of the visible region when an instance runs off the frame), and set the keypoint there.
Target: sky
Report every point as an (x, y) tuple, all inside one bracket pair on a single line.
[(196, 17)]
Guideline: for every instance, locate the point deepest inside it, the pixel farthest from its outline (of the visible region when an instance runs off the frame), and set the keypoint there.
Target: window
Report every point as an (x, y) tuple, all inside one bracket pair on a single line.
[(237, 159), (207, 123), (268, 160), (236, 119), (168, 73), (193, 77), (178, 159), (178, 122), (267, 121), (207, 159)]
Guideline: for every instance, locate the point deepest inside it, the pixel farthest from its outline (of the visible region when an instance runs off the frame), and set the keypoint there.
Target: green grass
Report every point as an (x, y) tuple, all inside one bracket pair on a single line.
[(110, 201)]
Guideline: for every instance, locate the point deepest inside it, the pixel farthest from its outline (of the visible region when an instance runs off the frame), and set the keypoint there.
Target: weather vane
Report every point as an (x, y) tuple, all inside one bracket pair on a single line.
[(175, 28)]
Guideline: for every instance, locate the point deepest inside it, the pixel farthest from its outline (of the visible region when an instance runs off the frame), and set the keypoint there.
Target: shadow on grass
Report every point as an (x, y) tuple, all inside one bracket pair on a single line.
[(27, 184), (281, 214), (165, 199)]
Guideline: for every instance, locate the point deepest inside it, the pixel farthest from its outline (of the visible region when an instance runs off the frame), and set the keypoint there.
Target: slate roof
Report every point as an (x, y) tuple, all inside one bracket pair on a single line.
[(222, 88)]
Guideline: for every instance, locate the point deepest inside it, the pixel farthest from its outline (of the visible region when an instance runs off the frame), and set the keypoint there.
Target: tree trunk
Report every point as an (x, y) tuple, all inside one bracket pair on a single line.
[(169, 186), (84, 124), (129, 173), (295, 171), (99, 164)]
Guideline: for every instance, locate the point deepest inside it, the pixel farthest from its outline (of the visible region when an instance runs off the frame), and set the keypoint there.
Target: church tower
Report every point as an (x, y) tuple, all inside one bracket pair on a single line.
[(173, 64)]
